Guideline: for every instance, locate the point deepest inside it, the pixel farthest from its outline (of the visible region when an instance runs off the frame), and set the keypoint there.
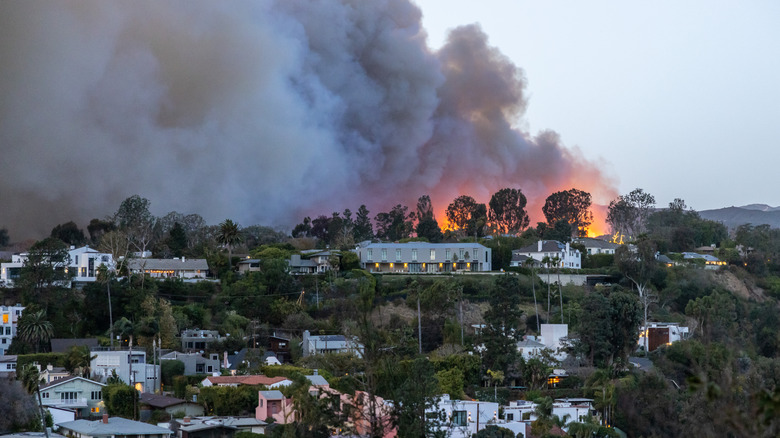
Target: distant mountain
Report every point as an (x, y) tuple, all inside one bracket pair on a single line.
[(756, 214), (760, 207)]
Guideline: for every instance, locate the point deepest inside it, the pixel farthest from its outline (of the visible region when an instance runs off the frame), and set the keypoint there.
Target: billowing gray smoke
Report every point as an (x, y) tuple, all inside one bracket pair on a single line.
[(259, 111)]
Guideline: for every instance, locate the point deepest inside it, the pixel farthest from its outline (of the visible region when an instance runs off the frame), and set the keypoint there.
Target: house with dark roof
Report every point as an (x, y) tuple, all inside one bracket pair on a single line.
[(171, 405), (188, 269)]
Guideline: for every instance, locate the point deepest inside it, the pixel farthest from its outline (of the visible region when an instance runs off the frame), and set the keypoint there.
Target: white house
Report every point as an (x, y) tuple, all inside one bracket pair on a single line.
[(131, 369), (568, 257), (83, 264), (597, 246), (463, 418), (524, 411), (9, 319), (329, 344), (424, 257), (8, 365)]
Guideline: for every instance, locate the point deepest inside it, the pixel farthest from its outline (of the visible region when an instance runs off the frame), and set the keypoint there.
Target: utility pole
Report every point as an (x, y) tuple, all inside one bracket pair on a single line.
[(154, 362), (419, 324)]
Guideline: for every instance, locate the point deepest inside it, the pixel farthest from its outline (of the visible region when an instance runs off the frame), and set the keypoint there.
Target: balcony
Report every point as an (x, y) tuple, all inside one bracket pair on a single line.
[(71, 403)]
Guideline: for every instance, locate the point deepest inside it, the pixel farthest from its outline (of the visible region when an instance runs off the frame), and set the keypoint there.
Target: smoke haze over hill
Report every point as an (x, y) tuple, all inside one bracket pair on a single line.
[(260, 111)]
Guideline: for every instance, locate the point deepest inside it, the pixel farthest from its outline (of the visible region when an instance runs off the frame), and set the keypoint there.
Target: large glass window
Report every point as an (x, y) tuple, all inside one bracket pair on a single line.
[(459, 418), (447, 254), (414, 255), (384, 254), (398, 255), (369, 254), (433, 254)]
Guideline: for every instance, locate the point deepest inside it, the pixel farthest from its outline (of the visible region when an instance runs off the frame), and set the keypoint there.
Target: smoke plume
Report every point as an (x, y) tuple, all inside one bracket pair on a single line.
[(258, 111)]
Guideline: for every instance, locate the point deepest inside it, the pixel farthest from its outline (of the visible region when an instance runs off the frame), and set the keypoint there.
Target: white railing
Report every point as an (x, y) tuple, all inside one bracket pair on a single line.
[(68, 402)]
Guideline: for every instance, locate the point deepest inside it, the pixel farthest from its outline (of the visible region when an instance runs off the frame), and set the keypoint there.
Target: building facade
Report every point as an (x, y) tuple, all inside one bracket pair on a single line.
[(130, 368), (9, 320), (82, 265), (567, 257), (424, 257), (77, 393)]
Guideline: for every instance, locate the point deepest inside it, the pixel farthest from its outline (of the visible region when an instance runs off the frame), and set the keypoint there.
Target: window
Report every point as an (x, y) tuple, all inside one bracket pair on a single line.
[(77, 260), (447, 254), (4, 340), (369, 254), (510, 417), (96, 395), (461, 254), (95, 410), (459, 418), (8, 330), (433, 254), (83, 272), (5, 318), (45, 395), (414, 255), (384, 254), (475, 254), (398, 255), (526, 416), (261, 403), (68, 396)]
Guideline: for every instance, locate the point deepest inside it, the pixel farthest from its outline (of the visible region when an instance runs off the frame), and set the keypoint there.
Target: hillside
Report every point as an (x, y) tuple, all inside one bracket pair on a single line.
[(733, 217)]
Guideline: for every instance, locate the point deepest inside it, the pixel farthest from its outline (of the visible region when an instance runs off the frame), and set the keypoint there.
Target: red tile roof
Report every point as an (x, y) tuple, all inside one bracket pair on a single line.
[(245, 380)]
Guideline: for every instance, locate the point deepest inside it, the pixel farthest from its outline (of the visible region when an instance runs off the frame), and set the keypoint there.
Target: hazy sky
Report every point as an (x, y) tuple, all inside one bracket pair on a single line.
[(680, 98)]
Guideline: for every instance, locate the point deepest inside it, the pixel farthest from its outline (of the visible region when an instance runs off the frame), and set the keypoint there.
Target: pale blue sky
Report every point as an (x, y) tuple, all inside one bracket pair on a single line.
[(680, 98)]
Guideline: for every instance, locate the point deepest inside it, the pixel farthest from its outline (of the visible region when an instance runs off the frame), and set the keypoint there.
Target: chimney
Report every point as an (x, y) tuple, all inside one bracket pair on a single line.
[(316, 372), (540, 246), (50, 367), (183, 259), (186, 420), (105, 418)]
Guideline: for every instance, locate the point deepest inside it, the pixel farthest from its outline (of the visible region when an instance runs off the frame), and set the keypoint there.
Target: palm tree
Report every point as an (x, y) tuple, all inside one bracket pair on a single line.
[(547, 262), (35, 329), (105, 275), (31, 380), (557, 262), (84, 360), (229, 236), (529, 263)]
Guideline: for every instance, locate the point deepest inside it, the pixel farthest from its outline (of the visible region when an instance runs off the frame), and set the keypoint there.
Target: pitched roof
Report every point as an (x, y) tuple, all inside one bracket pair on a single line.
[(159, 401), (272, 395), (115, 426), (590, 242), (547, 246), (169, 264), (317, 380), (57, 382), (245, 380)]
